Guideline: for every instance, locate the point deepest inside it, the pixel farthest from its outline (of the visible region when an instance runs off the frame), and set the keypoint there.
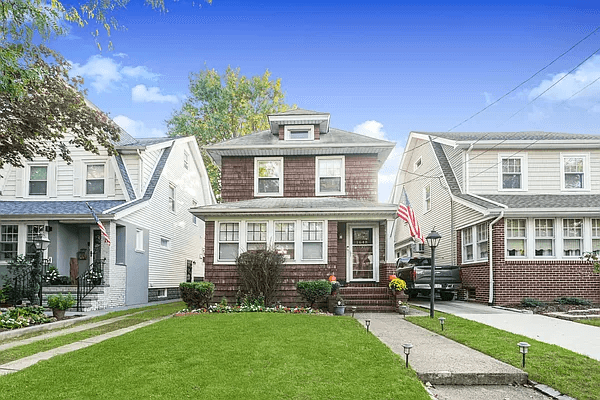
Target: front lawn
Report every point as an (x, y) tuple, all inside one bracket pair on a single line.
[(571, 373), (226, 356)]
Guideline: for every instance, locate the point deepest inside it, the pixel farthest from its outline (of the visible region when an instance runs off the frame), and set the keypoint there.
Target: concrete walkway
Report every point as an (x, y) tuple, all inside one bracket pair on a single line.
[(580, 338), (25, 362)]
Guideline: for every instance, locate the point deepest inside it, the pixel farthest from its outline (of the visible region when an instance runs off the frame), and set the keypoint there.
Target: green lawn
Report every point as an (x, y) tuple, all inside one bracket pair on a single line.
[(570, 373), (226, 356), (594, 322)]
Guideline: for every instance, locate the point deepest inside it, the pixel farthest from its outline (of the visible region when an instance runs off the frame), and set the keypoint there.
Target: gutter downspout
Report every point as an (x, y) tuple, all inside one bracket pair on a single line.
[(491, 256)]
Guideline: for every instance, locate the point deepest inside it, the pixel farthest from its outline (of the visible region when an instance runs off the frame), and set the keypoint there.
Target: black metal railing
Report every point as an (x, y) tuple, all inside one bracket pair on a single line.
[(25, 275), (88, 280)]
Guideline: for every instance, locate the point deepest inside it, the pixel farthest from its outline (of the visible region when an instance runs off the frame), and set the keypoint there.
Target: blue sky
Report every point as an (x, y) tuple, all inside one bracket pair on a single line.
[(380, 68)]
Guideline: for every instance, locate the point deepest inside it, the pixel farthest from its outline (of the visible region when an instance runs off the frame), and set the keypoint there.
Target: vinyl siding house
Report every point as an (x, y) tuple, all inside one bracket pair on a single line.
[(142, 196), (310, 191), (516, 210)]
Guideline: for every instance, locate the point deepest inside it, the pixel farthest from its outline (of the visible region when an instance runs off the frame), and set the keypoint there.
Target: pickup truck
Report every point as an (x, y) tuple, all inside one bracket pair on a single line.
[(416, 272)]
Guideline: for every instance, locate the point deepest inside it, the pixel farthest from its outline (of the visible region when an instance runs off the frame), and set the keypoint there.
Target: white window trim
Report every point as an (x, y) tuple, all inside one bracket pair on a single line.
[(275, 241), (28, 177), (553, 238), (85, 178), (168, 246), (288, 128), (173, 207), (342, 191), (256, 192), (464, 245), (266, 241), (418, 163), (483, 226), (139, 247), (426, 206), (160, 293), (524, 171), (586, 172), (527, 241), (186, 160), (242, 243), (581, 239), (22, 236), (194, 218)]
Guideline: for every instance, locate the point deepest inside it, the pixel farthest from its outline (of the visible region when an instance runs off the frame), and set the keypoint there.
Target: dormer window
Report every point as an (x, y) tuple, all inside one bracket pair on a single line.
[(299, 132)]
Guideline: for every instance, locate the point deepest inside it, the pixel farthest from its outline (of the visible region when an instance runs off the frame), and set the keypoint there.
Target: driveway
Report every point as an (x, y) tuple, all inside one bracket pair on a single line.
[(580, 338)]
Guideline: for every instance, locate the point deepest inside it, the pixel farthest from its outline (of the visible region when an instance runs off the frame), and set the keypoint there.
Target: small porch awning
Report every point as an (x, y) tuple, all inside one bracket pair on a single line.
[(339, 207)]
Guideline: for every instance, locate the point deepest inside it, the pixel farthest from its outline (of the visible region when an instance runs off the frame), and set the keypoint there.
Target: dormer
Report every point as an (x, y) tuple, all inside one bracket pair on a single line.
[(299, 125)]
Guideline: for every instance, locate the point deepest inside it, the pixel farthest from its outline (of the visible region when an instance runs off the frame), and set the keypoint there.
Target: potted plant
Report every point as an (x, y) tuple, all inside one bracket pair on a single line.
[(59, 303), (340, 305), (397, 287)]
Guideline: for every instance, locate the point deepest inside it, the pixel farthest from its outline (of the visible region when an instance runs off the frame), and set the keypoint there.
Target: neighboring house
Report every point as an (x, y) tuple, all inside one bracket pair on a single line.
[(142, 196), (308, 190), (515, 210)]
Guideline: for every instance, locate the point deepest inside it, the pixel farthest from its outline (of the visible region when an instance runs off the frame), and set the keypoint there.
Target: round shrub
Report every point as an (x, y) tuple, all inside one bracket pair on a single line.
[(196, 294), (311, 291)]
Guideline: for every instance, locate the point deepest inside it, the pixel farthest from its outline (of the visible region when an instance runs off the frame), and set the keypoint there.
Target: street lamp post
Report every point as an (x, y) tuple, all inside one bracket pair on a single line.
[(41, 243), (433, 239)]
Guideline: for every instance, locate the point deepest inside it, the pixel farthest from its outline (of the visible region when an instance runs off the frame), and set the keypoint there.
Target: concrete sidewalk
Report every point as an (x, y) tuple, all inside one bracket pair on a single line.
[(580, 338), (439, 360)]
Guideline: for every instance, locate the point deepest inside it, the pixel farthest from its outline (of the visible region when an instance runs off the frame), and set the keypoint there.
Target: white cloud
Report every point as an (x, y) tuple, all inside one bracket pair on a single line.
[(139, 72), (577, 80), (120, 55), (488, 98), (371, 128), (105, 72), (137, 129), (387, 173), (143, 94)]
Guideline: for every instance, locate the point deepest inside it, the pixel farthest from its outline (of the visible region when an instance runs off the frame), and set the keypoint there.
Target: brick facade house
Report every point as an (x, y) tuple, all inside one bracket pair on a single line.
[(516, 210), (308, 190)]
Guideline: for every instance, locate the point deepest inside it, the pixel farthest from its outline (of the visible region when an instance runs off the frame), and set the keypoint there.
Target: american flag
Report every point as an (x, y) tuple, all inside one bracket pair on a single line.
[(406, 213), (100, 225)]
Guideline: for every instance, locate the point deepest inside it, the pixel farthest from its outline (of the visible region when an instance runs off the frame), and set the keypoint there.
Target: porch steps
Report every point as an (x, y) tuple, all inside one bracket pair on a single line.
[(368, 299), (89, 302)]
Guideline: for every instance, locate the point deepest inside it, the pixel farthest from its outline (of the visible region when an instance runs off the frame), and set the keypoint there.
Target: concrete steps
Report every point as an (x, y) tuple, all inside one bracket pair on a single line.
[(90, 302)]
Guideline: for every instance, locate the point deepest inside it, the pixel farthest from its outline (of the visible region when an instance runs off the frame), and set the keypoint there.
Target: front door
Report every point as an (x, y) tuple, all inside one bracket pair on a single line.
[(363, 260)]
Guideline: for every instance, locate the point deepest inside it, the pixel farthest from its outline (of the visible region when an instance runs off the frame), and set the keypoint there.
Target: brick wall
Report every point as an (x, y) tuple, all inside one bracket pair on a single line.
[(543, 280)]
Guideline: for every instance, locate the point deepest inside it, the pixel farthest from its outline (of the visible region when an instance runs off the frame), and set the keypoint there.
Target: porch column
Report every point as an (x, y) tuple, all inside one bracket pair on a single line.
[(389, 242)]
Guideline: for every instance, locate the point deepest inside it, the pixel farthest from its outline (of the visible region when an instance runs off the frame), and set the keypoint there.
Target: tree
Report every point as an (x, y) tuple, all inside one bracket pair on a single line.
[(39, 103), (222, 107)]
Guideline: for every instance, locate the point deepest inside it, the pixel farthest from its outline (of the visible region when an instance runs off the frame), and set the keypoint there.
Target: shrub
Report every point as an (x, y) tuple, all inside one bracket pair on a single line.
[(60, 301), (196, 294), (311, 291), (529, 302), (573, 300), (19, 317), (260, 274)]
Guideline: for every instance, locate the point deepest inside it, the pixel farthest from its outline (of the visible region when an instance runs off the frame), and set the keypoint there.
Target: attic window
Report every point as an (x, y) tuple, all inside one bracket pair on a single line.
[(299, 132)]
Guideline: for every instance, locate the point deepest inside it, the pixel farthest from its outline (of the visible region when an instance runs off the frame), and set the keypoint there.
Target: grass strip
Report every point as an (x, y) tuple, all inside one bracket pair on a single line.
[(227, 356), (593, 322), (18, 352), (571, 373)]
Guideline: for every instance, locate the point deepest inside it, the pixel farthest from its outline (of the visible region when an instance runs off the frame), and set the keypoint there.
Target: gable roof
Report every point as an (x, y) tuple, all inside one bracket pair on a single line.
[(337, 141)]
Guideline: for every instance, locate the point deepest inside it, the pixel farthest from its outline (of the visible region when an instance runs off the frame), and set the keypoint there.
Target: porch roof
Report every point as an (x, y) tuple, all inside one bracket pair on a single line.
[(571, 203), (55, 208), (334, 206)]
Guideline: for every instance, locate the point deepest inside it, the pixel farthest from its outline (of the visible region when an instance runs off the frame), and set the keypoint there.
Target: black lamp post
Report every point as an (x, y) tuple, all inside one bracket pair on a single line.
[(41, 243), (433, 239)]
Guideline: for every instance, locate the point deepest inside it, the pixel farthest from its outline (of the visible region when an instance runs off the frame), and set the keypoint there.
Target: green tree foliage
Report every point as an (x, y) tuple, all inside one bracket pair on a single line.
[(223, 107)]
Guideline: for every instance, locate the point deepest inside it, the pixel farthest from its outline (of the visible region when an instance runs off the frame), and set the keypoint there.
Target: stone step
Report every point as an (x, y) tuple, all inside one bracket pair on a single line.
[(368, 302), (367, 309)]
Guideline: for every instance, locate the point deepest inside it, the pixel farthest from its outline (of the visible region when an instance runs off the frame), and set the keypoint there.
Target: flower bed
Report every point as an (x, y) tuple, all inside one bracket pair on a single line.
[(220, 308), (19, 317)]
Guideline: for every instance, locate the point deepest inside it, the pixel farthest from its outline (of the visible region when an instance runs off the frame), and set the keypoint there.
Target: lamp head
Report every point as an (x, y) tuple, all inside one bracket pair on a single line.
[(433, 239), (523, 347), (407, 347)]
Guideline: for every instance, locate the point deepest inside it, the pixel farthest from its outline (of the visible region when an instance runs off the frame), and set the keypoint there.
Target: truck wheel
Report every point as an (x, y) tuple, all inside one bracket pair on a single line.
[(447, 296)]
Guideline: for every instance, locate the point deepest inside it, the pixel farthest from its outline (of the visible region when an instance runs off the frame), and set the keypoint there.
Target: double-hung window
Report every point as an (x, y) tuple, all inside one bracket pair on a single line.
[(9, 241), (256, 236), (427, 197), (186, 160), (572, 237), (544, 237), (38, 180), (94, 181), (596, 236), (575, 174), (229, 240), (285, 238), (467, 244), (330, 176), (312, 240), (512, 173), (171, 197), (482, 241), (33, 232), (268, 174), (516, 237)]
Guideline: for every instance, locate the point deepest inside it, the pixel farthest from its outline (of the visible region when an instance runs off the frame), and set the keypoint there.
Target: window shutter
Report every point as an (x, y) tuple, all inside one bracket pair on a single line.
[(51, 179), (110, 179), (77, 175), (19, 182)]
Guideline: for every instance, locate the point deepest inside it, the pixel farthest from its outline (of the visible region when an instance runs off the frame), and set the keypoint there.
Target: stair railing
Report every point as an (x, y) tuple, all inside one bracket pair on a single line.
[(90, 278)]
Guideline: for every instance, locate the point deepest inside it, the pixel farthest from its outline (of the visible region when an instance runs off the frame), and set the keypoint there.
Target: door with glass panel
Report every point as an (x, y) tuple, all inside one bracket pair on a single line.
[(363, 260)]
